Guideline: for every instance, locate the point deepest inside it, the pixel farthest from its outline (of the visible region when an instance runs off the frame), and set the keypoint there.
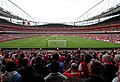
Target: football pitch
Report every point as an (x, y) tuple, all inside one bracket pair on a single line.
[(57, 42)]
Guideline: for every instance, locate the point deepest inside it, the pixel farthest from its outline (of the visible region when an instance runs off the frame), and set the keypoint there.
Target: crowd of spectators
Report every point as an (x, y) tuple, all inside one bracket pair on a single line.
[(47, 28), (102, 37), (7, 37), (60, 66)]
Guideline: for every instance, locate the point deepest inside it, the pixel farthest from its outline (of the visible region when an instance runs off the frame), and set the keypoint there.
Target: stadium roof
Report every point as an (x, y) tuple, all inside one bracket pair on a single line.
[(7, 14), (112, 11)]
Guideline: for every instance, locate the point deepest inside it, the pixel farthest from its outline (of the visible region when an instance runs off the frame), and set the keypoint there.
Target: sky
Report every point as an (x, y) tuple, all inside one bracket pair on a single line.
[(58, 11)]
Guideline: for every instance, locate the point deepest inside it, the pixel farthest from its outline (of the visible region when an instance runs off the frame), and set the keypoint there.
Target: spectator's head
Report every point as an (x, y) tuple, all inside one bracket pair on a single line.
[(100, 56), (74, 67), (95, 67), (106, 58), (82, 55), (73, 58), (10, 66), (24, 62), (38, 60), (54, 66), (117, 58), (87, 58), (55, 56), (22, 55)]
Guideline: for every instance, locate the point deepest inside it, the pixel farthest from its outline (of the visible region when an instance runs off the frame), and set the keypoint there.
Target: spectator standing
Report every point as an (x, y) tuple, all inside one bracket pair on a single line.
[(55, 57), (110, 69), (96, 69), (55, 75), (73, 71), (31, 76), (83, 66), (117, 60), (11, 74), (39, 66)]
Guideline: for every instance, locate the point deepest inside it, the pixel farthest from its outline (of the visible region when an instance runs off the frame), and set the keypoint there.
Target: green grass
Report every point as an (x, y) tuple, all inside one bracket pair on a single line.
[(42, 42)]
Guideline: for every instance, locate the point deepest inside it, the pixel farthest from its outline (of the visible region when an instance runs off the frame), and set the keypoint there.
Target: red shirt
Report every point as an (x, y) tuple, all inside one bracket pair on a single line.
[(85, 68), (69, 75)]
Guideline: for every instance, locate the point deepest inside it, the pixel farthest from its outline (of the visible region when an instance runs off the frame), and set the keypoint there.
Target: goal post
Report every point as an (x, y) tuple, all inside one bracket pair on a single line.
[(57, 43)]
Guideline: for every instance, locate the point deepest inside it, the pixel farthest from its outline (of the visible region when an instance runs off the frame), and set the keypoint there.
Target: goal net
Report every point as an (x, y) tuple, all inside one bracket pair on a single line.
[(57, 43)]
